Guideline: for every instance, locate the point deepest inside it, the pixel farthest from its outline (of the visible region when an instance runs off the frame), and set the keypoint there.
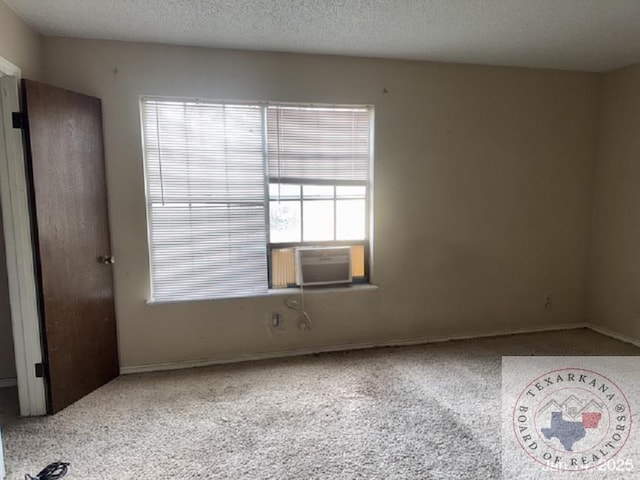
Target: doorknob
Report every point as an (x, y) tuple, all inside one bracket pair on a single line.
[(107, 260)]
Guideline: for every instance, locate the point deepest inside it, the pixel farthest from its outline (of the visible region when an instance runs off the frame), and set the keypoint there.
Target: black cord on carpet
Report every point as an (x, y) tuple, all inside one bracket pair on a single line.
[(51, 472)]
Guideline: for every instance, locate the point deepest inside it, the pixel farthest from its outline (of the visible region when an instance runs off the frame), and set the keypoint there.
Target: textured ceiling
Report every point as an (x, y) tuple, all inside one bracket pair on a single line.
[(590, 35)]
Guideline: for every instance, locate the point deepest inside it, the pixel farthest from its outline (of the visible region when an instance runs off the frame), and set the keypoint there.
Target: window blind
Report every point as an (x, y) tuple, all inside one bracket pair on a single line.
[(318, 143), (205, 194)]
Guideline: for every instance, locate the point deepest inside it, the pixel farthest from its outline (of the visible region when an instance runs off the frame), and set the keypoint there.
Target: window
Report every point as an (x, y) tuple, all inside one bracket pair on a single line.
[(233, 189)]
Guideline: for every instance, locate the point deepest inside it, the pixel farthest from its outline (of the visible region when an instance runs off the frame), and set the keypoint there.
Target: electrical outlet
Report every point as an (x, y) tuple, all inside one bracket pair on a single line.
[(274, 322), (548, 302)]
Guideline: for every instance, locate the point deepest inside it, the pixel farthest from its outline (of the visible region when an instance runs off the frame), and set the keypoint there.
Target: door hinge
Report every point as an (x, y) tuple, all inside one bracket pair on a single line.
[(18, 119), (40, 370)]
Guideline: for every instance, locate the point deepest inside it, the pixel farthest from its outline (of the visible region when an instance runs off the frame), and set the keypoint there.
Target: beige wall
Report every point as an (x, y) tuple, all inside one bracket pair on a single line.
[(483, 190), (19, 44), (22, 47), (615, 259)]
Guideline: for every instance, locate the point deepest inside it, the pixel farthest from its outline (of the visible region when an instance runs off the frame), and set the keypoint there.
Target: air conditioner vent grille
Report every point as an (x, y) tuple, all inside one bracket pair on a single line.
[(323, 265)]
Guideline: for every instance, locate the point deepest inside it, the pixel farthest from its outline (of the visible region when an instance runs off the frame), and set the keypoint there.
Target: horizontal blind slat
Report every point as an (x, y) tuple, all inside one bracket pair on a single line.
[(205, 193), (318, 143)]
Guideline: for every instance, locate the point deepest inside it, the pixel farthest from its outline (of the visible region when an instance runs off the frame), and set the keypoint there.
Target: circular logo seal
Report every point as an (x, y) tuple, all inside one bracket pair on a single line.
[(572, 419)]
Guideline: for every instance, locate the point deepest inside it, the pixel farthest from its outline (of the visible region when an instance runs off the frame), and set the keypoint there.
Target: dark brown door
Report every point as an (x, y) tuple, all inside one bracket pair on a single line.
[(65, 159)]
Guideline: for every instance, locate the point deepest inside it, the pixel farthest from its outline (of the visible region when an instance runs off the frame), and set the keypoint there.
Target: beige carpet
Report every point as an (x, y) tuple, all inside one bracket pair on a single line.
[(396, 413)]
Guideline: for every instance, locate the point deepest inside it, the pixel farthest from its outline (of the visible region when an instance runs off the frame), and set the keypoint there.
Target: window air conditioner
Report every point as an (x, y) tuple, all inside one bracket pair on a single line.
[(323, 265)]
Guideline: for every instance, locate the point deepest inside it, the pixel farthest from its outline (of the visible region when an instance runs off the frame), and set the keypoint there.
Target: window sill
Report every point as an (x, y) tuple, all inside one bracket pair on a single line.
[(278, 292), (358, 287)]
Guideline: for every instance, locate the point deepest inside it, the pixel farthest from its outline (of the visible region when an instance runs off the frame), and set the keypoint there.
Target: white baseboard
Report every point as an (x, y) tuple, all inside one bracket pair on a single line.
[(612, 334), (8, 382), (338, 348)]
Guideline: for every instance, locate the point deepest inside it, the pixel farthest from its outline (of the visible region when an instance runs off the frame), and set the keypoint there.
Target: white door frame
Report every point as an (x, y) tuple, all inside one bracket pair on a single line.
[(19, 248)]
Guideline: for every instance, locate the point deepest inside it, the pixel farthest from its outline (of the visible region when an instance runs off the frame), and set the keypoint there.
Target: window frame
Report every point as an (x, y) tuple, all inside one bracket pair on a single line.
[(366, 242)]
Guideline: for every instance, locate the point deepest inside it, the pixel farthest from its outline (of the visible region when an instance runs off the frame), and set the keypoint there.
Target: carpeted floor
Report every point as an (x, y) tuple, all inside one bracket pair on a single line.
[(395, 413)]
